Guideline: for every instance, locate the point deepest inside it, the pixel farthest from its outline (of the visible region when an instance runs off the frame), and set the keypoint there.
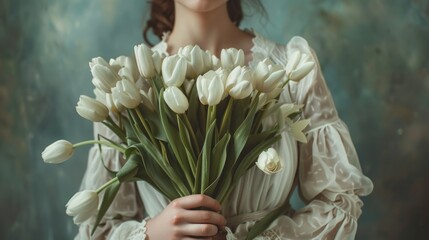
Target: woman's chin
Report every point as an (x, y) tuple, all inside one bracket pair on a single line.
[(201, 6)]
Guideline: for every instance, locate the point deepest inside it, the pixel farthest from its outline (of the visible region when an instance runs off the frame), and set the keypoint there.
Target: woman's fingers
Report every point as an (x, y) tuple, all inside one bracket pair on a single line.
[(201, 216), (196, 201), (198, 230)]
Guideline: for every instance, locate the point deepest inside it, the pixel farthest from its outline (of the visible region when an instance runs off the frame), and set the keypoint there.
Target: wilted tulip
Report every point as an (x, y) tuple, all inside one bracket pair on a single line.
[(176, 100), (91, 109), (239, 83), (144, 60), (210, 88), (126, 93), (104, 78), (231, 58), (58, 152), (174, 70), (269, 161), (267, 76), (82, 206)]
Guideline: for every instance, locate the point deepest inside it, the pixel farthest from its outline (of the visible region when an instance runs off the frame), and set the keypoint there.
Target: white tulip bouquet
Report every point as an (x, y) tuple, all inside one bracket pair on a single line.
[(189, 123)]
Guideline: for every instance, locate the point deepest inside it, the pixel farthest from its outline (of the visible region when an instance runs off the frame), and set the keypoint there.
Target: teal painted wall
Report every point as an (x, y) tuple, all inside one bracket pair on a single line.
[(374, 55)]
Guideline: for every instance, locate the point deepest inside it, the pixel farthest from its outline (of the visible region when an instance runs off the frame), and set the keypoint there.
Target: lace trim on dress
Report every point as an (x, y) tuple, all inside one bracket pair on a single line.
[(140, 232)]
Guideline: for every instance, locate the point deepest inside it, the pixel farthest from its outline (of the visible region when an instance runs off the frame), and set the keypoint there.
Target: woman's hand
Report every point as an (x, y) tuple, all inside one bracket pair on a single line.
[(179, 221)]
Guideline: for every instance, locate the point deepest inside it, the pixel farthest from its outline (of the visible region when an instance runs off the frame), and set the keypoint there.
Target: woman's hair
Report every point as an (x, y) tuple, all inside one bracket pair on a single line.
[(162, 15)]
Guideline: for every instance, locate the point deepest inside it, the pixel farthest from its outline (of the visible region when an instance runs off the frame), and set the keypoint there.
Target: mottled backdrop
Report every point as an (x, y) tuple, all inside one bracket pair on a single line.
[(374, 54)]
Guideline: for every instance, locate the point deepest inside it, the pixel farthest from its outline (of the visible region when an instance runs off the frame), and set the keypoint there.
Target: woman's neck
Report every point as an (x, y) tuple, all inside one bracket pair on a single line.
[(211, 30)]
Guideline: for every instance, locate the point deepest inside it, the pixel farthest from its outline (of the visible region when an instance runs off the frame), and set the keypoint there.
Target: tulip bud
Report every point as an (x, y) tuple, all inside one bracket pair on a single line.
[(104, 78), (58, 152), (91, 109), (231, 58), (144, 60), (148, 99), (239, 83), (82, 206), (113, 105), (216, 63), (269, 162), (98, 60), (195, 60), (174, 70), (176, 100), (298, 66), (157, 61), (126, 93), (267, 76), (210, 88)]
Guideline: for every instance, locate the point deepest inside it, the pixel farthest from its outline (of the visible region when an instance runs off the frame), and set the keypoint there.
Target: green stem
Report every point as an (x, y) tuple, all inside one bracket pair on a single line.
[(146, 127), (191, 130), (113, 180), (105, 143), (226, 117), (115, 128)]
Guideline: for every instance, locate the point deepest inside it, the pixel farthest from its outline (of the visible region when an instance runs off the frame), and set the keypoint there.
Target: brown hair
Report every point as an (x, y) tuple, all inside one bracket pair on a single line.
[(162, 16)]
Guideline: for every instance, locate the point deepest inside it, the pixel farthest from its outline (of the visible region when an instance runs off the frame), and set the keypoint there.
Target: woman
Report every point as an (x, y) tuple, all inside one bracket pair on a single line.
[(326, 169)]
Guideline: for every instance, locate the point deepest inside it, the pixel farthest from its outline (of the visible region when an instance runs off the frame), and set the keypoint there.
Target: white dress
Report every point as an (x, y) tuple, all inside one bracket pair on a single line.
[(326, 171)]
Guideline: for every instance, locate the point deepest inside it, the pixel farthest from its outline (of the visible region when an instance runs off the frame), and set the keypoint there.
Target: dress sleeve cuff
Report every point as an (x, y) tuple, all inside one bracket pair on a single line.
[(140, 232)]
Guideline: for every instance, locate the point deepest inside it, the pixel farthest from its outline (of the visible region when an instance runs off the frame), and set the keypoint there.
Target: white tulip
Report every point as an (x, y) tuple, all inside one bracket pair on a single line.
[(58, 152), (207, 58), (157, 61), (216, 63), (99, 95), (267, 76), (126, 73), (298, 66), (91, 109), (301, 71), (113, 105), (188, 84), (148, 99), (269, 162), (144, 60), (98, 60), (104, 78), (210, 88), (195, 58), (239, 83), (174, 70), (126, 93), (176, 100), (82, 206), (231, 58)]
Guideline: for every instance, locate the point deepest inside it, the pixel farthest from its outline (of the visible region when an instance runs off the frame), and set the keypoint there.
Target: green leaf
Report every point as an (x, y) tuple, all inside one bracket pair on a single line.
[(206, 157), (217, 164), (186, 141), (130, 168), (241, 134), (174, 141), (108, 197)]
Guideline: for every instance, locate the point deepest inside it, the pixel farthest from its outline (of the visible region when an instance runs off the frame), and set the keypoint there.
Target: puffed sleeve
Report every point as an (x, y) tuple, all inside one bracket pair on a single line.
[(123, 220), (330, 177)]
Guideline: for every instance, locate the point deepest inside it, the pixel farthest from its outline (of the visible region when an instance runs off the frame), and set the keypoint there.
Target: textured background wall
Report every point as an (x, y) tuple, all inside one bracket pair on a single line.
[(374, 54)]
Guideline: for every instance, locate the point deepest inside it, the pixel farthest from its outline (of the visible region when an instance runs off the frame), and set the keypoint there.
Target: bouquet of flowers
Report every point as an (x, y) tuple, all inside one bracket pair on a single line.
[(189, 123)]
